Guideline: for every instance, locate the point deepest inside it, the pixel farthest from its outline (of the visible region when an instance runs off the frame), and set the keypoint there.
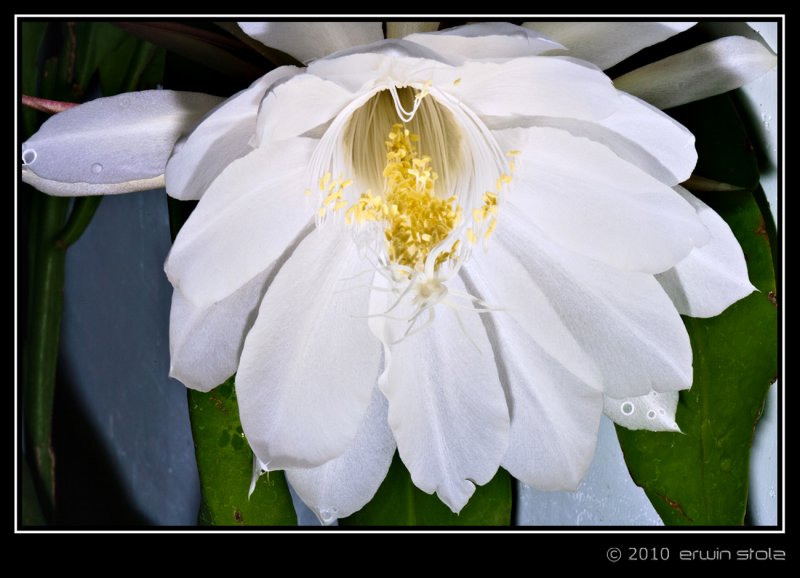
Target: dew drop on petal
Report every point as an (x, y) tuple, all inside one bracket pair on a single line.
[(28, 157), (654, 393), (627, 408), (328, 515), (97, 168), (661, 411), (651, 414)]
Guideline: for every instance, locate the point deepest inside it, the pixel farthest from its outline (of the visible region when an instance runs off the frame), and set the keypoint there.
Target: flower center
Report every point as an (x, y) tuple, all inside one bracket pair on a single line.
[(415, 219), (425, 166)]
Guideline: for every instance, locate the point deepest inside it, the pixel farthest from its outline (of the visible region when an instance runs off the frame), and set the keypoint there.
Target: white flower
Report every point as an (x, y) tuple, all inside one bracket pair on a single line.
[(461, 245)]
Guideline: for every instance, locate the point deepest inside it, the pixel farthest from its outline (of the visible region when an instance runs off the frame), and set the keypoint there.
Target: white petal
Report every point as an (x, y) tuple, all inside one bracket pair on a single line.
[(653, 411), (494, 41), (637, 132), (589, 200), (555, 412), (706, 70), (447, 408), (712, 277), (607, 43), (220, 139), (113, 145), (309, 40), (345, 484), (387, 63), (624, 321), (535, 86), (247, 218), (399, 29), (297, 106), (205, 343), (309, 364)]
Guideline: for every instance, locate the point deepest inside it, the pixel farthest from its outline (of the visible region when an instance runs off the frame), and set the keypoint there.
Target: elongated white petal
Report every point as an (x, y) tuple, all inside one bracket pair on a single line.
[(554, 398), (309, 40), (447, 408), (535, 86), (607, 43), (345, 484), (706, 70), (309, 364), (493, 41), (653, 411), (591, 201), (249, 215), (399, 29), (297, 106), (623, 320), (712, 277), (221, 138), (205, 343), (112, 145)]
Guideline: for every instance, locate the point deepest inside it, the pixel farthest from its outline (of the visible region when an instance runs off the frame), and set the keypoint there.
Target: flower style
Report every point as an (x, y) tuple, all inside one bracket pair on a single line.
[(464, 245)]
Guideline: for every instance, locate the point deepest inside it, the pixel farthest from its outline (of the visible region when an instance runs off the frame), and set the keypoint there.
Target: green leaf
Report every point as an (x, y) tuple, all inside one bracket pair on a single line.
[(225, 463), (399, 502), (215, 50), (700, 477)]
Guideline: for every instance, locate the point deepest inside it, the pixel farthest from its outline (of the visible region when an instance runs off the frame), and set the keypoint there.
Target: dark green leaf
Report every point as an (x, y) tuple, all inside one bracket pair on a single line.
[(217, 51), (399, 502), (700, 477), (31, 37), (225, 463)]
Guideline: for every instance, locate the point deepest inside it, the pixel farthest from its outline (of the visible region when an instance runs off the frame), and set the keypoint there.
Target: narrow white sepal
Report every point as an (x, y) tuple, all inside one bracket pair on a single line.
[(706, 70)]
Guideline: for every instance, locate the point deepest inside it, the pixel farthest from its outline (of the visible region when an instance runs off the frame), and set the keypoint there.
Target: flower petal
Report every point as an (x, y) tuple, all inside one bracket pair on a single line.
[(309, 40), (384, 64), (706, 70), (591, 201), (624, 321), (221, 138), (345, 484), (713, 277), (297, 106), (637, 132), (607, 43), (205, 343), (401, 28), (309, 364), (492, 41), (535, 86), (447, 409), (249, 215), (111, 145), (654, 411), (555, 413)]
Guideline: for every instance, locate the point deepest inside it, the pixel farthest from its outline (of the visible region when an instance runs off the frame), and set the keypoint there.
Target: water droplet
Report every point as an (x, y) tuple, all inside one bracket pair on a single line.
[(627, 408), (28, 157), (97, 168), (328, 515), (651, 414), (654, 393), (661, 411), (725, 465)]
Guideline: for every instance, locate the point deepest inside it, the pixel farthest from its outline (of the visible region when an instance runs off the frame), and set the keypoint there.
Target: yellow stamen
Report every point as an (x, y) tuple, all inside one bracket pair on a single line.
[(415, 219)]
